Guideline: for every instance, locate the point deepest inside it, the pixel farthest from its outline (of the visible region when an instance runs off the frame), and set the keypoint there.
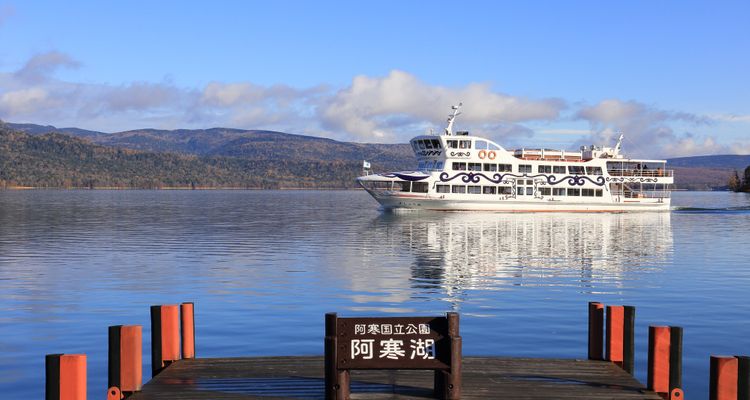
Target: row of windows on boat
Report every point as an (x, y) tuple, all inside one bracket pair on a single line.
[(520, 190), (522, 168), (432, 144)]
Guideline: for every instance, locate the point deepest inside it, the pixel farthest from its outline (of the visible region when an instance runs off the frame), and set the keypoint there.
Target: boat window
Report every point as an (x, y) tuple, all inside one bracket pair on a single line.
[(545, 169), (429, 164), (459, 166), (598, 193), (428, 144), (529, 191), (529, 182), (490, 167), (419, 187), (594, 170), (519, 190), (574, 192), (415, 146), (452, 144), (493, 146), (575, 170), (464, 144), (420, 165), (489, 190), (480, 145), (558, 169), (378, 185), (504, 190), (558, 191), (545, 191), (523, 168), (436, 144), (458, 189), (421, 144), (474, 190), (504, 168), (587, 192), (402, 186), (475, 166), (443, 188), (439, 165)]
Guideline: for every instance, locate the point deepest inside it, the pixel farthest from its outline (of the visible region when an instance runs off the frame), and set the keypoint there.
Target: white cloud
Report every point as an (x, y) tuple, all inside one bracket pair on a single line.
[(138, 96), (229, 94), (648, 130), (729, 117), (41, 66), (392, 107), (575, 132), (691, 146), (23, 101)]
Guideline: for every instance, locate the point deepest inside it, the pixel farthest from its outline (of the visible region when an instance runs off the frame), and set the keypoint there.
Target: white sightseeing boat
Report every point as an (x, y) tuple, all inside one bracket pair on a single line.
[(463, 172)]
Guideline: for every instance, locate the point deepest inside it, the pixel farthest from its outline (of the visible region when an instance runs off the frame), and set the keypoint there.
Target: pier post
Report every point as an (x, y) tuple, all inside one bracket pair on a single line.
[(665, 360), (729, 378), (125, 360), (628, 349), (723, 381), (743, 377), (65, 377), (336, 382), (165, 337), (187, 332), (675, 357), (620, 336), (596, 330), (451, 380)]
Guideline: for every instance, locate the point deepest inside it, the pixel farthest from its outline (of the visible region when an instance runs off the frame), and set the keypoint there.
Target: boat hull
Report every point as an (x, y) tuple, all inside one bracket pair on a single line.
[(427, 202)]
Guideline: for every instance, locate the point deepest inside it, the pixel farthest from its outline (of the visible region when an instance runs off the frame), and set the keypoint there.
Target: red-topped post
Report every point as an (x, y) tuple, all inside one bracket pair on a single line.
[(65, 377), (165, 336)]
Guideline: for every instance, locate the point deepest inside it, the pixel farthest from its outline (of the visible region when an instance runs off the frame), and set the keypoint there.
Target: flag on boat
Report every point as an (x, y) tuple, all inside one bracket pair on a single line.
[(366, 165)]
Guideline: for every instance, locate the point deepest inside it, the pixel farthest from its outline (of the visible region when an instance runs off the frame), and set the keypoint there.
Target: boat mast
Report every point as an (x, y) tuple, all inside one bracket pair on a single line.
[(456, 112), (618, 146)]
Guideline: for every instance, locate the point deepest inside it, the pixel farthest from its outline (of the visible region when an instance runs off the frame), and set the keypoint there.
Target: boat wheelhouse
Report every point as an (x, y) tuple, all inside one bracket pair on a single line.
[(458, 171)]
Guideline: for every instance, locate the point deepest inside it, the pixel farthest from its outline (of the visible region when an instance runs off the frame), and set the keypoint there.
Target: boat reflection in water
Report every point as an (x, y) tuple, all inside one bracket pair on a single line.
[(455, 252)]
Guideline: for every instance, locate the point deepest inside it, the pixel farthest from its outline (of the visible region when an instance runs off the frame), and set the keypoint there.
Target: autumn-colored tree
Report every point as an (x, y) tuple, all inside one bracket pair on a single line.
[(735, 184)]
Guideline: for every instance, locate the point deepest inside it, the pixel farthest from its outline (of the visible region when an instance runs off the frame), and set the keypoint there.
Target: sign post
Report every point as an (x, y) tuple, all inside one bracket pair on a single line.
[(430, 343)]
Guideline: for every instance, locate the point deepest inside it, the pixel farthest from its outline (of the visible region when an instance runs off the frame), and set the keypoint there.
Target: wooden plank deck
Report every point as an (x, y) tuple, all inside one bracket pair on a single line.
[(302, 378)]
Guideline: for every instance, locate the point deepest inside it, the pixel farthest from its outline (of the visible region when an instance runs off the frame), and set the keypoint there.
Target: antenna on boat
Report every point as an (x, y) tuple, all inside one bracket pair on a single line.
[(618, 146), (452, 117)]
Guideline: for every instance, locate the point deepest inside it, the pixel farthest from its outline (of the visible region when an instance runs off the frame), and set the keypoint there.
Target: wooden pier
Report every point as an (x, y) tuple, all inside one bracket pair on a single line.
[(392, 358), (303, 378)]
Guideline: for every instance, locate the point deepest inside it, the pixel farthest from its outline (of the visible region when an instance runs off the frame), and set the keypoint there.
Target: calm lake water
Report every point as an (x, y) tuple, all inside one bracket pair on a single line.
[(263, 267)]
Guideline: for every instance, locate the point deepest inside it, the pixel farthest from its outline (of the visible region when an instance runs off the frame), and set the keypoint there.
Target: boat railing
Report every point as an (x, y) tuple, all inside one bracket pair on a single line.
[(642, 172), (646, 194)]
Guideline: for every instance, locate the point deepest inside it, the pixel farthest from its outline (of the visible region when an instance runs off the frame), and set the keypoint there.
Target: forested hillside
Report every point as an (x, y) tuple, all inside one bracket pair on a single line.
[(56, 160), (255, 144)]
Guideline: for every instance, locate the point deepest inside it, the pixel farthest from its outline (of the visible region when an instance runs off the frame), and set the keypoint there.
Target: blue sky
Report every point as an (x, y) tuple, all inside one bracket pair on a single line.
[(671, 74)]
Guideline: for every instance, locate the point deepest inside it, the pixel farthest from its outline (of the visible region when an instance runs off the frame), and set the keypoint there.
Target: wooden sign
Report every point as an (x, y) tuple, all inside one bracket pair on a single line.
[(431, 343), (393, 343)]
